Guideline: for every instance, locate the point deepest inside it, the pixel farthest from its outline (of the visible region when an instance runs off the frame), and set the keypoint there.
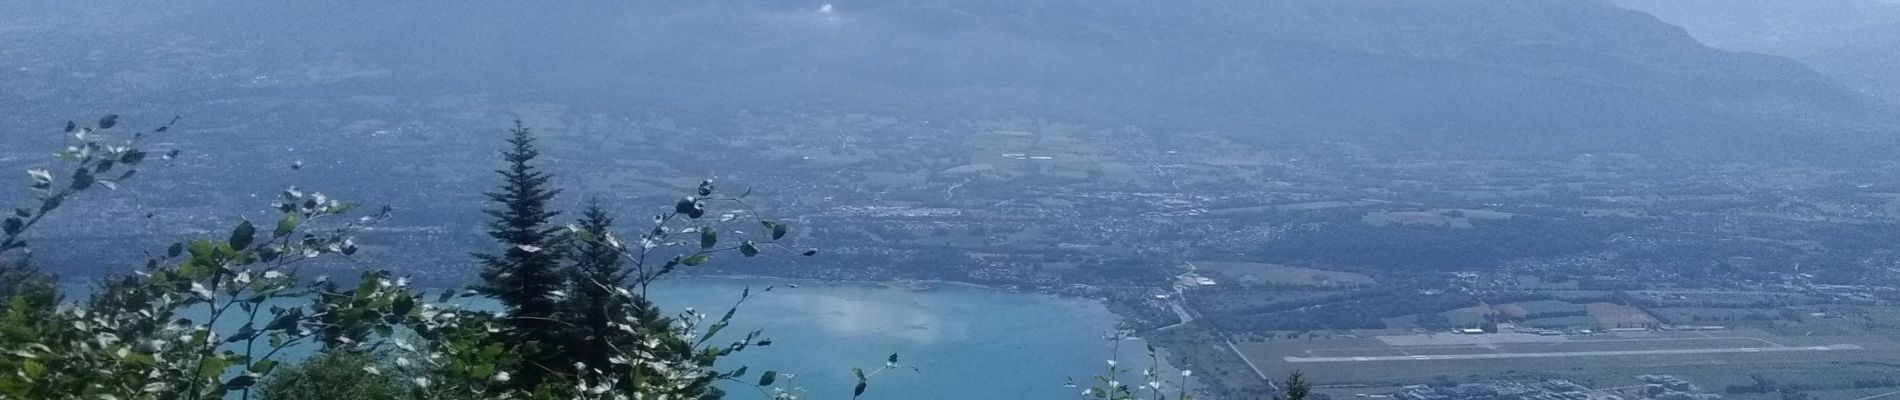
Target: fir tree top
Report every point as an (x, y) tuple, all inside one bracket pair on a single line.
[(526, 277)]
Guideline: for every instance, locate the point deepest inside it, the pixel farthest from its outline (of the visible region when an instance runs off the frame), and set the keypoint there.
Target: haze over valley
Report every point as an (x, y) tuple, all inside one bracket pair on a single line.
[(1424, 200)]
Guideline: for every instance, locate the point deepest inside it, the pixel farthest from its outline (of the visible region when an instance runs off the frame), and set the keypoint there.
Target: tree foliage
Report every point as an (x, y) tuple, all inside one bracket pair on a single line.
[(1109, 385), (1296, 387), (332, 375), (210, 318), (525, 276)]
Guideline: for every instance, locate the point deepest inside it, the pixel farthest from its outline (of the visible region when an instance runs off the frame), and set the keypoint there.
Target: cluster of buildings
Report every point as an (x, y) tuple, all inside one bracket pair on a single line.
[(1191, 279), (1555, 389), (1654, 387), (1669, 387)]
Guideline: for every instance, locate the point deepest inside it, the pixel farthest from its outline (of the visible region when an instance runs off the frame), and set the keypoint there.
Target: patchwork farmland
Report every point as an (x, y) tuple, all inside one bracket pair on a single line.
[(1390, 357)]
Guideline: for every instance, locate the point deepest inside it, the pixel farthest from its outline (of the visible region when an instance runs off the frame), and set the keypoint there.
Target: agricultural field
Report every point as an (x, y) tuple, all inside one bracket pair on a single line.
[(1468, 316), (1449, 218), (1246, 273), (1385, 358), (1739, 317), (1552, 314), (1613, 316), (1721, 299)]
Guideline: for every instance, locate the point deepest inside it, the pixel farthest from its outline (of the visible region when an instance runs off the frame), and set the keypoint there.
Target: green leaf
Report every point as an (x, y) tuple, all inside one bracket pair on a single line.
[(175, 250), (778, 229), (240, 382), (688, 207), (82, 179), (285, 226), (490, 352), (708, 237), (858, 391), (713, 331), (264, 366), (341, 208), (739, 372), (767, 378), (132, 157), (202, 249), (33, 369), (40, 175), (242, 236), (137, 358), (242, 334), (286, 321), (696, 260), (14, 225), (483, 371), (403, 304), (108, 121), (748, 249), (212, 367)]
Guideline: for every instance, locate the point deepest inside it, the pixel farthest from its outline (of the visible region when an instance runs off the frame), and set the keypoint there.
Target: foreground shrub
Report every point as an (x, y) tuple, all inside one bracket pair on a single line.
[(160, 334), (331, 375)]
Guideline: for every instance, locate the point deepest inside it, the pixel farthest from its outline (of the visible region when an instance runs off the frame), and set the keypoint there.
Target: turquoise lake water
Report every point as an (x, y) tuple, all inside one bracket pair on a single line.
[(969, 343)]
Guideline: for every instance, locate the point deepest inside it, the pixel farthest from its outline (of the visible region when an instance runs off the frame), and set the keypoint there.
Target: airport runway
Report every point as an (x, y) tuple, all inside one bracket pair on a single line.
[(1837, 347)]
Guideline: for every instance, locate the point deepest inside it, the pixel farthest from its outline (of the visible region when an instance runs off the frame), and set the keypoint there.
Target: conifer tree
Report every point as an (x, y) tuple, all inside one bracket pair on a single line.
[(593, 303), (597, 303), (525, 276), (1296, 387)]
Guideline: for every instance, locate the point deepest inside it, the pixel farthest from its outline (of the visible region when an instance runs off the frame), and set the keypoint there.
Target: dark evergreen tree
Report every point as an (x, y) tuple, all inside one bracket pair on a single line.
[(525, 276), (21, 277), (1296, 387), (594, 304), (597, 304), (28, 298)]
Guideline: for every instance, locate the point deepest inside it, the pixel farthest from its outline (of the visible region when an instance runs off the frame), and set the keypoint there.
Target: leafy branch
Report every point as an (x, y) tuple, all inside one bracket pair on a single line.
[(96, 160)]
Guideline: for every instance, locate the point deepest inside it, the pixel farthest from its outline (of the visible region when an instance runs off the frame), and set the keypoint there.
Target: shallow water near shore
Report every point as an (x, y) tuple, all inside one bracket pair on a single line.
[(966, 342)]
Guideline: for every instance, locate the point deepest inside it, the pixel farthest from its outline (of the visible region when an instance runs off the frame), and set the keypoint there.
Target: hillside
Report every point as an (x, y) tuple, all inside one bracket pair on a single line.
[(1851, 41), (1520, 77)]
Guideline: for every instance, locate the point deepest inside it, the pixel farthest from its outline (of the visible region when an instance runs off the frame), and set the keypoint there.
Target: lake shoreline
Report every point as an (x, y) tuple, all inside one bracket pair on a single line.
[(1129, 355), (1166, 357), (889, 283)]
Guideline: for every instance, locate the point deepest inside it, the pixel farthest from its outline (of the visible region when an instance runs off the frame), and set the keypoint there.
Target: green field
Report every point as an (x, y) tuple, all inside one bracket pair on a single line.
[(1411, 359), (1439, 217), (1275, 274)]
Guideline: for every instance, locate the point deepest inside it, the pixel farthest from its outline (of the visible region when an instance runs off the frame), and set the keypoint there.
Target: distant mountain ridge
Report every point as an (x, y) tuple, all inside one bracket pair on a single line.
[(1857, 42), (1498, 77), (1519, 75)]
